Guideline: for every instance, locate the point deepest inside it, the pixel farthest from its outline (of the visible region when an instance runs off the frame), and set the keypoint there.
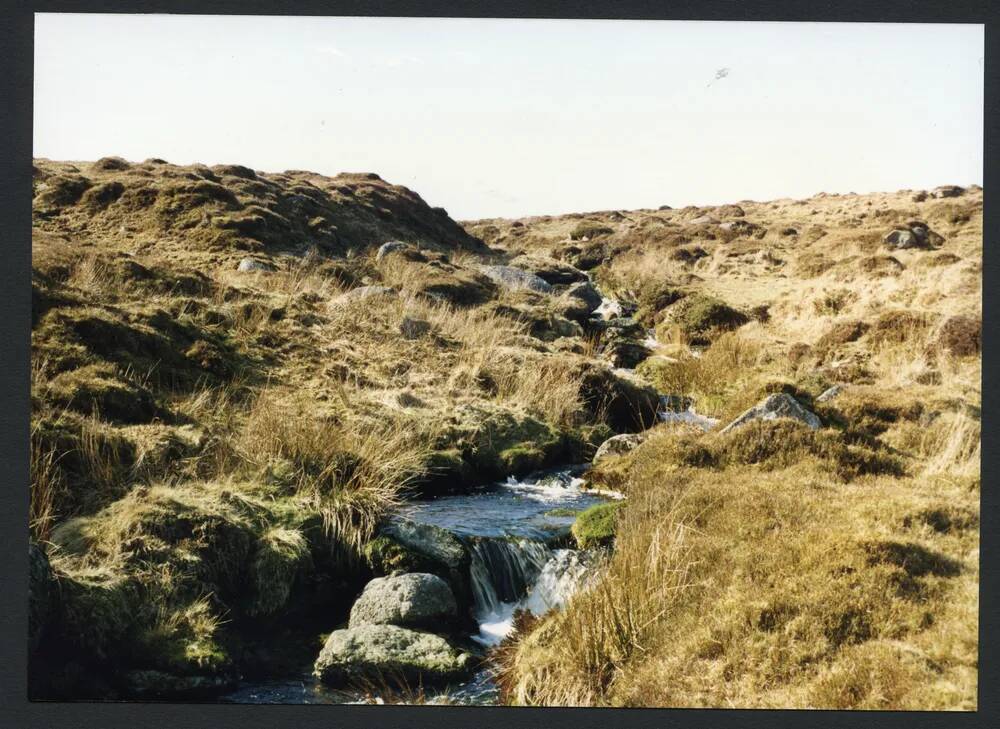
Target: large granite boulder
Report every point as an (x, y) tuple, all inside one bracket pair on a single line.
[(549, 270), (587, 293), (249, 265), (390, 653), (514, 279), (779, 405), (415, 600)]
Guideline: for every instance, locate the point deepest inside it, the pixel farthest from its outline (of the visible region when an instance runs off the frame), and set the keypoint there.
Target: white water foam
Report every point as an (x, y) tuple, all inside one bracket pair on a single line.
[(549, 488), (562, 574)]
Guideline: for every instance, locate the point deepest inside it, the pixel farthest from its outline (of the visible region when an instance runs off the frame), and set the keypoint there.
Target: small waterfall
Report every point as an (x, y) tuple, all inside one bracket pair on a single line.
[(561, 576), (509, 575), (502, 571)]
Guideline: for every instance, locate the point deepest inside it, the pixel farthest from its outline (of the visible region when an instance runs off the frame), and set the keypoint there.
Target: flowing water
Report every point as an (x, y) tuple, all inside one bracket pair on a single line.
[(514, 532), (510, 529)]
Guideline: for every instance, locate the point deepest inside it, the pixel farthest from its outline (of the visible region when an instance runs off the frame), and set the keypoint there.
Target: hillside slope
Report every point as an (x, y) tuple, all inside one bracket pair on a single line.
[(223, 412), (770, 565), (234, 381)]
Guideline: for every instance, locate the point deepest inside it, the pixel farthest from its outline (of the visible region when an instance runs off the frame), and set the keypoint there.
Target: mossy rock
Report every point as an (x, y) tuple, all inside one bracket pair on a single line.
[(626, 403), (97, 613), (444, 471), (503, 443), (183, 640), (385, 555), (282, 556), (390, 653), (596, 525), (521, 459), (654, 296)]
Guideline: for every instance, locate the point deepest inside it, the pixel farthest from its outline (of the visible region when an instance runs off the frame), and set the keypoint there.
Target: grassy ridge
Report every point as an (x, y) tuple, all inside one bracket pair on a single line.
[(774, 566), (213, 449)]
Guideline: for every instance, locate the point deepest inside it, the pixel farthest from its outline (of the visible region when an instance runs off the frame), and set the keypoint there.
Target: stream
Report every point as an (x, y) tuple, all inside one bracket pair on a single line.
[(514, 531)]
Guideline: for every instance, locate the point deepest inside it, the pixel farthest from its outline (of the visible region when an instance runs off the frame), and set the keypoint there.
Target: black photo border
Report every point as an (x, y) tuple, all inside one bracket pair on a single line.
[(16, 53)]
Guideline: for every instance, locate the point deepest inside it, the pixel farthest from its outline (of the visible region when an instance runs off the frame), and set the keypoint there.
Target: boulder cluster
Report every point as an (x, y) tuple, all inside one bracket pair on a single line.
[(915, 234), (388, 635)]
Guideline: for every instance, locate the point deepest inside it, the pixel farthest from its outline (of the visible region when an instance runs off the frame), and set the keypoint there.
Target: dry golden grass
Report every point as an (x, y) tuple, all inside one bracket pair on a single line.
[(352, 472), (769, 567), (806, 582)]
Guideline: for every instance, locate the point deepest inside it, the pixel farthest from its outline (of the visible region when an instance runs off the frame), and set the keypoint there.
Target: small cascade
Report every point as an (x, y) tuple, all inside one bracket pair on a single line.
[(511, 575), (502, 571), (561, 576)]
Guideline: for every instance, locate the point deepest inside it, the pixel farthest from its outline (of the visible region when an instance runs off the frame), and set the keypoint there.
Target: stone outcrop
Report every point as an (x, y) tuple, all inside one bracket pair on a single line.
[(779, 405)]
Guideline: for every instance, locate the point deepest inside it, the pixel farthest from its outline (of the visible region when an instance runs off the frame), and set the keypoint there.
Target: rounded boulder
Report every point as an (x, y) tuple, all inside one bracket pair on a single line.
[(416, 599), (388, 652)]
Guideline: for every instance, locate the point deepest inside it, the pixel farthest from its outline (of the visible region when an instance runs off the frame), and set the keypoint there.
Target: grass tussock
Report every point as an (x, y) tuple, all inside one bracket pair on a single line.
[(777, 606), (352, 473)]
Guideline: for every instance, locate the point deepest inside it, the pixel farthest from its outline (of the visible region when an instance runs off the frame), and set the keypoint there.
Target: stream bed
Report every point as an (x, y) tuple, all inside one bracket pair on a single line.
[(516, 533)]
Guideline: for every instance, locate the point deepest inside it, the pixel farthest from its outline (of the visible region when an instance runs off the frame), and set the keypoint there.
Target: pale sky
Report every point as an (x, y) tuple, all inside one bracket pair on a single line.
[(521, 117)]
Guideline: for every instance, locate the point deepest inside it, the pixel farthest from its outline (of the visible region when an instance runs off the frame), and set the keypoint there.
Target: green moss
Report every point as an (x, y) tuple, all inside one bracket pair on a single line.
[(562, 512), (98, 610), (384, 555), (521, 459), (654, 296), (596, 525), (505, 443), (182, 640), (444, 470), (282, 555)]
